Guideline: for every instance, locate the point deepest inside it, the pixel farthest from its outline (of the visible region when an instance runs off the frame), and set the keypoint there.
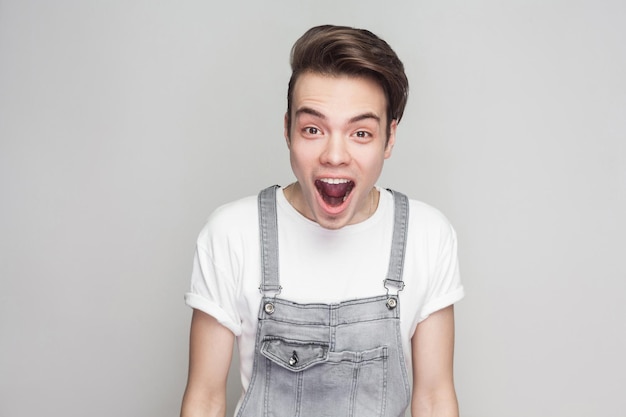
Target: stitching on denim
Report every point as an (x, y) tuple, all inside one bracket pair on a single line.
[(268, 375), (299, 379), (355, 384), (383, 406)]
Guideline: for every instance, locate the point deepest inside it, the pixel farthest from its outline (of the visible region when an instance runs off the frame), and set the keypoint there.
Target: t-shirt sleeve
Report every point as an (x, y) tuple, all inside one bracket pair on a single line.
[(444, 283), (213, 287)]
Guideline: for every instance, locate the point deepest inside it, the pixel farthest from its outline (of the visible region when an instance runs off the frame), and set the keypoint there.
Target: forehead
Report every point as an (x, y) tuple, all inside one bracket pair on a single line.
[(340, 96)]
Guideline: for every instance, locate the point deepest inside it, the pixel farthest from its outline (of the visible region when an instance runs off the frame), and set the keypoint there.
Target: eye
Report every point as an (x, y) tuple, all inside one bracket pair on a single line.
[(310, 130), (362, 134)]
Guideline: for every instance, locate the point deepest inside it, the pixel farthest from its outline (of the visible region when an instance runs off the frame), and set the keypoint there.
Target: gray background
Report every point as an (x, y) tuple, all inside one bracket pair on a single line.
[(123, 124)]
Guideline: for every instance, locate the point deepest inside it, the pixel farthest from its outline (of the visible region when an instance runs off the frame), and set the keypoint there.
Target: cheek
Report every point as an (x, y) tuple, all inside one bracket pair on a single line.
[(370, 159), (302, 150), (372, 167), (299, 158)]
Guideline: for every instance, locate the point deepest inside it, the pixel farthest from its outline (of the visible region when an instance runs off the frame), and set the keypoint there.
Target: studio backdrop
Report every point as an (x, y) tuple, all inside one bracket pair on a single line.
[(123, 124)]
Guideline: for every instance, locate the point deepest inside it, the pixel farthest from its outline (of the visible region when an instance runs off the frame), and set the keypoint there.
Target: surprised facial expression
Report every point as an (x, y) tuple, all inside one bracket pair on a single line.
[(337, 145)]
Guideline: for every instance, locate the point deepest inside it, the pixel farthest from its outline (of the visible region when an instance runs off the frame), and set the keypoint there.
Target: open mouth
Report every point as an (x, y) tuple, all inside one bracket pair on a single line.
[(334, 191)]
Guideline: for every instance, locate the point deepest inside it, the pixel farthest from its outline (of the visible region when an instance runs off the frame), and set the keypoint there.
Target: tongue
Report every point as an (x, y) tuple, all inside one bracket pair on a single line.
[(334, 194)]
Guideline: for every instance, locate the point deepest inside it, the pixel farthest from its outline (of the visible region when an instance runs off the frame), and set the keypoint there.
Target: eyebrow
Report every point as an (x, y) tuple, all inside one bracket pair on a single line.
[(315, 113), (364, 116)]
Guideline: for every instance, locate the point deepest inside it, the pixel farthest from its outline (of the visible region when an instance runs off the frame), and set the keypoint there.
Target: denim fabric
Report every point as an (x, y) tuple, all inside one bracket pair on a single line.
[(327, 360)]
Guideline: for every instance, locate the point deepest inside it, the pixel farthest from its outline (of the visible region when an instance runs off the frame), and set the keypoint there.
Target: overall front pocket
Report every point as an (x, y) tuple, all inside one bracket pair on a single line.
[(306, 379), (292, 354)]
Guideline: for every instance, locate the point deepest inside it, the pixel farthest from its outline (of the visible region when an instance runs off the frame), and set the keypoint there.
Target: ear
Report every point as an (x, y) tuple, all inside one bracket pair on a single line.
[(392, 138), (286, 129)]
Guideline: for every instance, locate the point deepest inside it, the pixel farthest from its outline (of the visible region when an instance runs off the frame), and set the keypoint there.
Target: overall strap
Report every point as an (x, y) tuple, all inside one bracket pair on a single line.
[(268, 233), (398, 242)]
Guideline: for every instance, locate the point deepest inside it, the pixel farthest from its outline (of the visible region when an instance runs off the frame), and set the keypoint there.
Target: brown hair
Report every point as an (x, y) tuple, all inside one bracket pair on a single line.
[(340, 50)]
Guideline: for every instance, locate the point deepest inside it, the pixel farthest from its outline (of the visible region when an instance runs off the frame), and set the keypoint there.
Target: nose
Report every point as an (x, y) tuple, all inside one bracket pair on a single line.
[(335, 151)]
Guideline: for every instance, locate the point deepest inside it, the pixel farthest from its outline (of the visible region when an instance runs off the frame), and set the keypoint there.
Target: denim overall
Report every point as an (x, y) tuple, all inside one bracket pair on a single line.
[(333, 360)]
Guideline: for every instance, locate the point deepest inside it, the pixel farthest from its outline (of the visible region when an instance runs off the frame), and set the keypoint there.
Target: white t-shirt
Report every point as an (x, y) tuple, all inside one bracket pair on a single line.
[(321, 265)]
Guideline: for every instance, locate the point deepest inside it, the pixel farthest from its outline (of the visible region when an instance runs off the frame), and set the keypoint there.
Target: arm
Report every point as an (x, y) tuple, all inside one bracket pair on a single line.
[(210, 354), (433, 351)]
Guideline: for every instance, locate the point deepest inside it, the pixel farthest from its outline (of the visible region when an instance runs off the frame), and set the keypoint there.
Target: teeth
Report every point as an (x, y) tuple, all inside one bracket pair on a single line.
[(331, 189), (334, 180)]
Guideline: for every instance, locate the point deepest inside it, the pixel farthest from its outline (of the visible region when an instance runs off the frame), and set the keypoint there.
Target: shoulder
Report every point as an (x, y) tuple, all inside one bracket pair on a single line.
[(231, 221), (235, 210), (427, 216), (428, 224), (421, 214)]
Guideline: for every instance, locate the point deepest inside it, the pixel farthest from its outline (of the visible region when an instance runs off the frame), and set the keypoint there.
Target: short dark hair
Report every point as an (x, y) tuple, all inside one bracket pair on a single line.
[(341, 50)]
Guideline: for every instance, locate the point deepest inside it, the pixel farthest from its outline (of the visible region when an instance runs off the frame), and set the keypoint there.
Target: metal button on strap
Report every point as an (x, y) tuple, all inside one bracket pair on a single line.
[(391, 303), (294, 359), (269, 308)]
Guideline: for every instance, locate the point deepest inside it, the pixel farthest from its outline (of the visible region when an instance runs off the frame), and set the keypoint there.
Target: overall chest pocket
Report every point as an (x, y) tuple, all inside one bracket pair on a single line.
[(306, 379), (294, 355)]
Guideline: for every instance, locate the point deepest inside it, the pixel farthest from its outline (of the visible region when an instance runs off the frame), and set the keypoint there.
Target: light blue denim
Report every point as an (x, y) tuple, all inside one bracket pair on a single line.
[(328, 360)]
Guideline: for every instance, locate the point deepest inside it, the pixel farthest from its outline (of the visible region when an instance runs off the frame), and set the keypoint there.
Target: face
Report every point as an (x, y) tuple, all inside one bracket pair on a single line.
[(337, 145)]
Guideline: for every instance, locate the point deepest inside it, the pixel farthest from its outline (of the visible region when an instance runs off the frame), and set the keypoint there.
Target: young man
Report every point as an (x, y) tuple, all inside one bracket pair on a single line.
[(334, 288)]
